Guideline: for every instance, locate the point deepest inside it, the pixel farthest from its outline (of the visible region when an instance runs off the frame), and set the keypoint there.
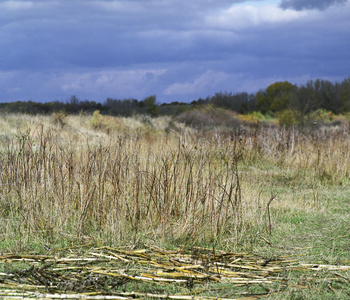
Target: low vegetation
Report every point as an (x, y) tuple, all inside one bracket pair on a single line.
[(235, 183)]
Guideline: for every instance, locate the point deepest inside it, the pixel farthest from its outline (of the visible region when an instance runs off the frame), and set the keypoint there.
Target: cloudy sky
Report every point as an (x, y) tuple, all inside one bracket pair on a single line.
[(179, 50)]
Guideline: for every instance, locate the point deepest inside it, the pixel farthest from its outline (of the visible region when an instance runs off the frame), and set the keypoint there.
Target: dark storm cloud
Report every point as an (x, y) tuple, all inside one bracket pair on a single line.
[(97, 33), (309, 4), (177, 49)]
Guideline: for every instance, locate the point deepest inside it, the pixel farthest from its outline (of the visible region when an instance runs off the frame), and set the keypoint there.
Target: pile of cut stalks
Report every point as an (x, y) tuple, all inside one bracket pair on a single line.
[(154, 273)]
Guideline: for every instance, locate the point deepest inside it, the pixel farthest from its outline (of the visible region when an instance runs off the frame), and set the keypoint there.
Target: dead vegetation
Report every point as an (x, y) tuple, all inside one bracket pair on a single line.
[(141, 182), (149, 181), (110, 273)]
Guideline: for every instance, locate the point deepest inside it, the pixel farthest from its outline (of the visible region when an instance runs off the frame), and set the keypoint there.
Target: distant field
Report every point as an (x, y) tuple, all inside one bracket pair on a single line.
[(129, 182)]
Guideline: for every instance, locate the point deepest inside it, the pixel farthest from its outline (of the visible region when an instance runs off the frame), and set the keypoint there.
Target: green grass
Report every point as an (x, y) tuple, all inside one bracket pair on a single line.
[(324, 230), (316, 231)]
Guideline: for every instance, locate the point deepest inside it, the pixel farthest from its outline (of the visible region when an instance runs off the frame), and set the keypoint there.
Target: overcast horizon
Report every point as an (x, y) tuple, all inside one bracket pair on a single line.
[(177, 50)]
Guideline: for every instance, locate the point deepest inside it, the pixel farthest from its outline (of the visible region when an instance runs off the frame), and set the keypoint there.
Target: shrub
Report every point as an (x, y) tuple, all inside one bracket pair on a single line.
[(209, 116), (321, 115), (196, 119), (289, 117), (256, 117), (96, 120)]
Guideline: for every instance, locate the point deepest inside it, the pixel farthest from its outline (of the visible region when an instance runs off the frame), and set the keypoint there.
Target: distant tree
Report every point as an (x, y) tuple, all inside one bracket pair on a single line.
[(277, 97), (141, 105), (239, 102), (262, 101), (152, 107), (124, 107), (74, 100), (320, 94), (344, 95), (73, 105), (305, 100), (174, 108), (329, 96), (247, 102), (280, 94)]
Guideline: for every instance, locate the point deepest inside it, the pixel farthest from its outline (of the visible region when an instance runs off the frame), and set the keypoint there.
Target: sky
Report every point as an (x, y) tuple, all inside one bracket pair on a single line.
[(178, 50)]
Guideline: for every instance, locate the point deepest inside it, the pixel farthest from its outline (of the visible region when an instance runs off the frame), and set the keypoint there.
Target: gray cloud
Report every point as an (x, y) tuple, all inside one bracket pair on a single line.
[(177, 49), (309, 4)]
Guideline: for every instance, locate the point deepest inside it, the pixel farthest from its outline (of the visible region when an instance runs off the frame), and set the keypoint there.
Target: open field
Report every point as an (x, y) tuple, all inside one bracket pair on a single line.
[(281, 196)]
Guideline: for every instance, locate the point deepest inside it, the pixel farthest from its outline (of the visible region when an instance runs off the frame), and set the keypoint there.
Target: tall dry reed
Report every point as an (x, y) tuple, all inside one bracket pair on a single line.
[(66, 185)]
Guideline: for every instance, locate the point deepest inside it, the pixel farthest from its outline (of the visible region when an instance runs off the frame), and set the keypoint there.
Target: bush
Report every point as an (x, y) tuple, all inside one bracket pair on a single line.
[(96, 120), (321, 115), (289, 117), (207, 117), (196, 119)]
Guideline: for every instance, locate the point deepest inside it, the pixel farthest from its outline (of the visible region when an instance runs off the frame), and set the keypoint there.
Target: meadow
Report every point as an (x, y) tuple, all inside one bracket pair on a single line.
[(71, 180)]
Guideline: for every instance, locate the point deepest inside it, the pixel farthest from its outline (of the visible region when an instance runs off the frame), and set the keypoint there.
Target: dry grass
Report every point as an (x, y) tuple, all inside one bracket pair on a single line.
[(136, 180)]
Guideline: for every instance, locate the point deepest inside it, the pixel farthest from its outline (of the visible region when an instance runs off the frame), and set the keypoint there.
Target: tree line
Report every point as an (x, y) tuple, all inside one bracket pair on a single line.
[(276, 98)]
